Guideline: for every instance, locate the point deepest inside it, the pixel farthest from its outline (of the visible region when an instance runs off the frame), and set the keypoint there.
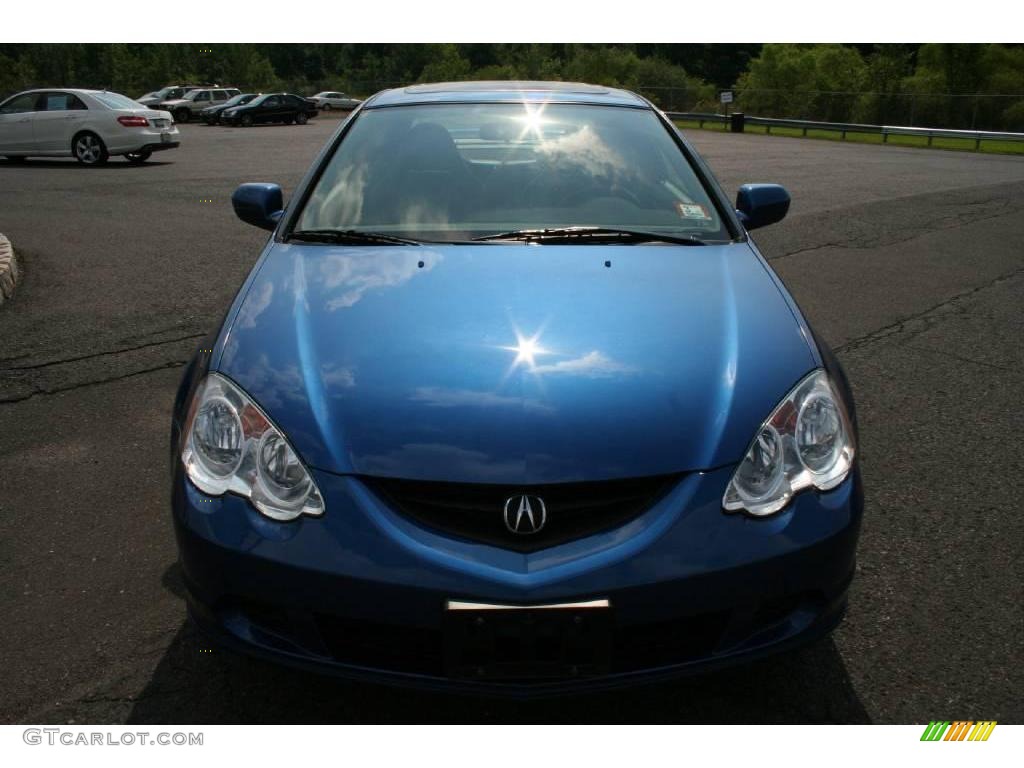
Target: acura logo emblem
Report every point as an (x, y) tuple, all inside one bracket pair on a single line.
[(525, 514)]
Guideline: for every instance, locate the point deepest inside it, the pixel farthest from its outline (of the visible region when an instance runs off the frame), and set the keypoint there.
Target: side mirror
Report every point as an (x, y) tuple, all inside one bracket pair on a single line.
[(259, 204), (761, 204)]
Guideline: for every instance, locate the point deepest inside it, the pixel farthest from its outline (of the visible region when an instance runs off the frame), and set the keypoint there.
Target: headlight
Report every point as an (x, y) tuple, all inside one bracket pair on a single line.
[(229, 112), (231, 446), (806, 442)]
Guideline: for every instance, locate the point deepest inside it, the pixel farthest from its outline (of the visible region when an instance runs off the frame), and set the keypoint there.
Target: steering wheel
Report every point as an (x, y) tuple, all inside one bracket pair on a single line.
[(576, 187)]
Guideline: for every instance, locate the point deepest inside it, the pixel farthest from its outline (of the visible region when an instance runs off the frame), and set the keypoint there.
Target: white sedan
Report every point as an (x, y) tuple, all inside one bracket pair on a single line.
[(327, 100), (88, 125)]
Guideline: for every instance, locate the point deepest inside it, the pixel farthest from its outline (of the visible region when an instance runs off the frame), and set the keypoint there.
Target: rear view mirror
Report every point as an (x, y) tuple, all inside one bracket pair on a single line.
[(759, 205), (259, 204)]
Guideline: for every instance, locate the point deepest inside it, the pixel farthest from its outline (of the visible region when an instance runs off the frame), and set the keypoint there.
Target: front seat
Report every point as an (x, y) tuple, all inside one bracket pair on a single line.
[(430, 182)]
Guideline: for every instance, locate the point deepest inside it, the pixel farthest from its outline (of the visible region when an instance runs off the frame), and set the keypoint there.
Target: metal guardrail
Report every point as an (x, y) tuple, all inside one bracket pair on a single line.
[(844, 128), (700, 117)]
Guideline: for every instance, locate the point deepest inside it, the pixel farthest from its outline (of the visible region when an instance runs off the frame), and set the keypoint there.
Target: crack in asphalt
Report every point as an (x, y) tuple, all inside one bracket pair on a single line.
[(143, 696), (102, 691), (923, 316), (857, 241), (14, 357), (93, 382), (810, 248), (962, 359), (879, 334), (36, 366)]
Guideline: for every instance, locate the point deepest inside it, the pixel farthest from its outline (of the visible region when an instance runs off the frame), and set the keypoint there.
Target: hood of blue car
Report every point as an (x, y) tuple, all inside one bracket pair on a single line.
[(515, 363)]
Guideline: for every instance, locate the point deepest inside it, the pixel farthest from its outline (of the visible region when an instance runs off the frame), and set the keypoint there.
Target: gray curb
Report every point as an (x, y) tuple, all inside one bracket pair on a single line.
[(8, 269)]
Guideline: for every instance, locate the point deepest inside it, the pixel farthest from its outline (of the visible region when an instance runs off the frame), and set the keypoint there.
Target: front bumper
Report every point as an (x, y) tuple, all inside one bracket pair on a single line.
[(361, 592)]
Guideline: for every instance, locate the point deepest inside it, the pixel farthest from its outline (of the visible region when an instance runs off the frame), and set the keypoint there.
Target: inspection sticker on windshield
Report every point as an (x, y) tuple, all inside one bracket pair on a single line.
[(692, 211)]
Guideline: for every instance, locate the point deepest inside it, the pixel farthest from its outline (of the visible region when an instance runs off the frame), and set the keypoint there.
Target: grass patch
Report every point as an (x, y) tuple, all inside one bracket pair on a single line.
[(959, 145)]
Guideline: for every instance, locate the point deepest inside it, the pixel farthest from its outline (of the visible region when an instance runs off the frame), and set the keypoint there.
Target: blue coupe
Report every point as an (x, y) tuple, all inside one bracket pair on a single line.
[(511, 402)]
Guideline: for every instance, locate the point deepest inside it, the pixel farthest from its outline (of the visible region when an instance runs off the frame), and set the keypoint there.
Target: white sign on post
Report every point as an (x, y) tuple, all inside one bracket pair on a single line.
[(726, 97)]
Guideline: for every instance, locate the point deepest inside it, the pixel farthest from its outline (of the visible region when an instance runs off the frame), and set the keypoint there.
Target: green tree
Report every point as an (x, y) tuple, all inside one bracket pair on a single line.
[(839, 76), (883, 103), (667, 85), (15, 73), (951, 83), (446, 64), (866, 83), (819, 82)]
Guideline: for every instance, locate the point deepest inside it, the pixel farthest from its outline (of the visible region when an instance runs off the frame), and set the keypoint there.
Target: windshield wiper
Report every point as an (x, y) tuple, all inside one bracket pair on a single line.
[(592, 235), (348, 236)]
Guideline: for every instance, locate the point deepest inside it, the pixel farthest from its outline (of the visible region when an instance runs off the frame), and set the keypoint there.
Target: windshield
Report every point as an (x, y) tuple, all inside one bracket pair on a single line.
[(242, 98), (460, 171), (116, 100)]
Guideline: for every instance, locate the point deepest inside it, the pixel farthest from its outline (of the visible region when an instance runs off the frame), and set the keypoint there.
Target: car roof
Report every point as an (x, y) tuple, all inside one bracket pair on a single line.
[(72, 90), (505, 91), (67, 90)]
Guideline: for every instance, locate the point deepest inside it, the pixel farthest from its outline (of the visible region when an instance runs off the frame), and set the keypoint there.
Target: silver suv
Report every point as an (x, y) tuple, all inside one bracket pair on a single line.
[(154, 99), (196, 101)]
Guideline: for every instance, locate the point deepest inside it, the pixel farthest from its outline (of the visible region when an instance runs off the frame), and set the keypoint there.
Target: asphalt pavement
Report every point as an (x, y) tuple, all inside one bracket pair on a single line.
[(909, 262)]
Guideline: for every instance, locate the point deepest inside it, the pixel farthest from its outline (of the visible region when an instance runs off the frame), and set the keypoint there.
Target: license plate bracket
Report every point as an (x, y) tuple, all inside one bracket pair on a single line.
[(527, 643)]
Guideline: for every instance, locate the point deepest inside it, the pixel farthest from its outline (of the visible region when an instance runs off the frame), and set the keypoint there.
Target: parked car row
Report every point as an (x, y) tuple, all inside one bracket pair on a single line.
[(248, 109), (93, 125), (284, 108), (192, 103), (89, 125), (154, 98), (188, 102)]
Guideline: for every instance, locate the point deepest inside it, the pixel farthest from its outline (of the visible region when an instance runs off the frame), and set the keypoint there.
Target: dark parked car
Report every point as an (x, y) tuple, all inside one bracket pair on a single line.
[(211, 115), (271, 108)]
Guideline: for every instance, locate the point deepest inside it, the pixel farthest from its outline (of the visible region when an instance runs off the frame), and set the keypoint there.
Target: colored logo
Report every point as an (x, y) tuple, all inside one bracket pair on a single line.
[(958, 730)]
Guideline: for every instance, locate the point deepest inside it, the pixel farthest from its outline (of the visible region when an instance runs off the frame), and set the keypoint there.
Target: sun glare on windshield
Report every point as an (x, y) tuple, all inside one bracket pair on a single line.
[(532, 121)]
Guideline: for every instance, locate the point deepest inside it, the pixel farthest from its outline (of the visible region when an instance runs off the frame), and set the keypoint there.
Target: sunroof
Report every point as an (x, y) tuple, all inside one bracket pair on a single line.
[(506, 85)]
